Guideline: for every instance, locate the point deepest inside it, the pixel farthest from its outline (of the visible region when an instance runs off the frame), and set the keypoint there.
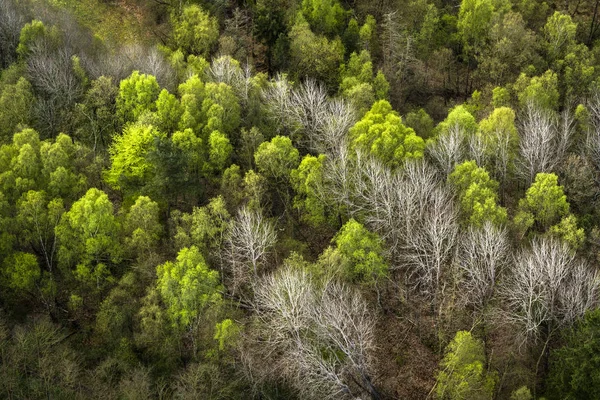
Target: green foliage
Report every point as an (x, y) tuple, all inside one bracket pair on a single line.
[(277, 158), (195, 31), (88, 236), (463, 373), (522, 393), (37, 218), (420, 122), (16, 102), (307, 181), (568, 231), (142, 226), (380, 133), (559, 35), (226, 333), (544, 202), (474, 23), (21, 271), (98, 114), (539, 90), (477, 194), (461, 117), (221, 109), (187, 286), (168, 111), (131, 167), (325, 16), (358, 83), (314, 56), (574, 368), (30, 33), (137, 94), (362, 252)]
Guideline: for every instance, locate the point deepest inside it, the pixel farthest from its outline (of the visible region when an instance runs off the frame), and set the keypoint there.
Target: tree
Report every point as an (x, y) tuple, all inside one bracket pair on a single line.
[(21, 271), (474, 24), (16, 102), (142, 226), (131, 167), (359, 85), (500, 140), (307, 180), (463, 372), (380, 133), (541, 91), (322, 335), (483, 255), (195, 31), (99, 114), (314, 56), (137, 94), (187, 286), (544, 141), (168, 111), (88, 238), (548, 288), (277, 158), (544, 201), (38, 219), (362, 252), (324, 16), (574, 366), (247, 245), (461, 117), (477, 193)]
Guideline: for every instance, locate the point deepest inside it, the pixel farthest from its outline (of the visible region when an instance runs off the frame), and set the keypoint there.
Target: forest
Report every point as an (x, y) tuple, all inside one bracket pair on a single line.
[(300, 199)]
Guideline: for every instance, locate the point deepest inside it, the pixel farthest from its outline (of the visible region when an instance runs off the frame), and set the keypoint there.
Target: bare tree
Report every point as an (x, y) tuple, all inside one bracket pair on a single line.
[(544, 140), (483, 254), (277, 100), (247, 245), (11, 22), (548, 288), (317, 337), (449, 149)]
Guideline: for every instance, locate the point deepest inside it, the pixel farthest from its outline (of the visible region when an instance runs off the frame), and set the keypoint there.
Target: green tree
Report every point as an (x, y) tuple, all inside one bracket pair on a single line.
[(192, 93), (195, 31), (88, 237), (131, 167), (362, 252), (461, 117), (98, 113), (380, 133), (37, 218), (463, 374), (545, 203), (21, 271), (359, 85), (221, 108), (540, 90), (277, 158), (477, 193), (307, 181), (137, 94), (30, 33), (325, 16), (168, 111), (575, 367), (142, 226), (568, 231), (16, 102), (187, 286), (314, 56)]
